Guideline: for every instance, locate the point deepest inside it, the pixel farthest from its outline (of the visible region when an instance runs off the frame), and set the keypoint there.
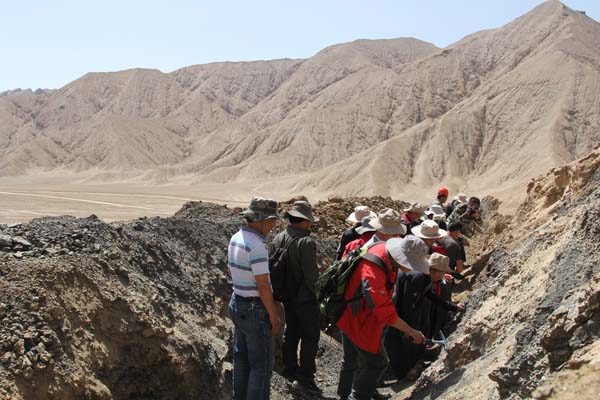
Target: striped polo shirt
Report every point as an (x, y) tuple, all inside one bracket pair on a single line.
[(247, 256)]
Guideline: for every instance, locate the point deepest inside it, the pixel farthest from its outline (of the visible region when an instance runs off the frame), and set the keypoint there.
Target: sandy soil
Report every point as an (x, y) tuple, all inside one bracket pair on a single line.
[(24, 199)]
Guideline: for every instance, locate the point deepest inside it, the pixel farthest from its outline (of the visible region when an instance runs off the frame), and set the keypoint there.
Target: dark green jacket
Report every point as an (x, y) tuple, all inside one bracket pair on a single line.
[(302, 261)]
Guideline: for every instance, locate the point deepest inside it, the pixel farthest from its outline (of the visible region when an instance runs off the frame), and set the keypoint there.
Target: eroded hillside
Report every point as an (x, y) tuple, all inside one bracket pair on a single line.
[(392, 117)]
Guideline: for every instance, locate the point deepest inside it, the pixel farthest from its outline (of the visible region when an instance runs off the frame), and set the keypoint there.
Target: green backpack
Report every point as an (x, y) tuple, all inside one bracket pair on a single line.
[(332, 283)]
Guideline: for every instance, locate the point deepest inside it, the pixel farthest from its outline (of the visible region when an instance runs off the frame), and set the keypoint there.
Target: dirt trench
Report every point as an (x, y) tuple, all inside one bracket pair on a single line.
[(138, 310)]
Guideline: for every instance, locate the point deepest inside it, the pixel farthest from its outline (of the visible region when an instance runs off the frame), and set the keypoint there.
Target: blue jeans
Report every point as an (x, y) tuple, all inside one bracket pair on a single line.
[(253, 349)]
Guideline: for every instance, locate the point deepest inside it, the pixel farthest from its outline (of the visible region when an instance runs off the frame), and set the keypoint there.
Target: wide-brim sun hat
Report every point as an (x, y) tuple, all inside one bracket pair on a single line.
[(461, 197), (415, 208), (301, 209), (389, 222), (365, 226), (436, 209), (410, 252), (428, 230), (440, 262), (359, 213)]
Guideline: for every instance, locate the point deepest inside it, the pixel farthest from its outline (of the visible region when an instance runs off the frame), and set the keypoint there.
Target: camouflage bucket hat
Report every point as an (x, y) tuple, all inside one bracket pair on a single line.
[(261, 209)]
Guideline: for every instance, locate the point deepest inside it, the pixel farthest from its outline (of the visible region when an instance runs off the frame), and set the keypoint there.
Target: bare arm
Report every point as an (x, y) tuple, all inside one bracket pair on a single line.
[(266, 297)]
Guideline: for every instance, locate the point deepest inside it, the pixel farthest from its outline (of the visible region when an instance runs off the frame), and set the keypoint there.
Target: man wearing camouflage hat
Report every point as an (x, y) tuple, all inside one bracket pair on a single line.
[(252, 307)]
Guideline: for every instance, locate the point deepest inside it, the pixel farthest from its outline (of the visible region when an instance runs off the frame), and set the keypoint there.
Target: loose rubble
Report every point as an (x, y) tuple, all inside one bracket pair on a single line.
[(138, 309)]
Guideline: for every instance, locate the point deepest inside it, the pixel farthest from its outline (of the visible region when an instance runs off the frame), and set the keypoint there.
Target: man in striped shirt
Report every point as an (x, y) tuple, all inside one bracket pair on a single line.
[(252, 307)]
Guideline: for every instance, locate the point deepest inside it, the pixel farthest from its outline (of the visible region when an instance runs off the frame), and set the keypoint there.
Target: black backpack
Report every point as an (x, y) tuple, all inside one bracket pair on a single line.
[(280, 276)]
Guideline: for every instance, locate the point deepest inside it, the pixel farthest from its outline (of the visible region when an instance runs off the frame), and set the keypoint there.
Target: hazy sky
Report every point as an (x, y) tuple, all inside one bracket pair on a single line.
[(48, 43)]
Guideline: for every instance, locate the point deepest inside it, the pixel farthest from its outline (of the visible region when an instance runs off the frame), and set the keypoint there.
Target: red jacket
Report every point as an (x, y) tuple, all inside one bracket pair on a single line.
[(364, 319), (358, 243)]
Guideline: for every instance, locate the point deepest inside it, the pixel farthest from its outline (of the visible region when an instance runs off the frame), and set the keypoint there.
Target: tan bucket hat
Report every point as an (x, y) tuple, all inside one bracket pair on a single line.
[(388, 221), (415, 208), (428, 230), (359, 213), (440, 262), (301, 209)]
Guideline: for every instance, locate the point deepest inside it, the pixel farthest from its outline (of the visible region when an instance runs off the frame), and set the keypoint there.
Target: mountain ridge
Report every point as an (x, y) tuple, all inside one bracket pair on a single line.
[(505, 103)]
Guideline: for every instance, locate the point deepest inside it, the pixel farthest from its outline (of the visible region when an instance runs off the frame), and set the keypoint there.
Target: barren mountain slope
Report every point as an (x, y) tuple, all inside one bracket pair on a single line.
[(395, 117), (136, 119), (337, 102), (540, 110)]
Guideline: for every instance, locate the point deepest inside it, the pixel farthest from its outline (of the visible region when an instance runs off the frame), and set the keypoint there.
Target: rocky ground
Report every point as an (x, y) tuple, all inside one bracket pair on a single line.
[(533, 317), (138, 309)]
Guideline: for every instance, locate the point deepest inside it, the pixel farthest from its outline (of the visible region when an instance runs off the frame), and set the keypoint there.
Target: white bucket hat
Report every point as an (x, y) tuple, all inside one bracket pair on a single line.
[(437, 211), (389, 222), (461, 197), (359, 213), (428, 230)]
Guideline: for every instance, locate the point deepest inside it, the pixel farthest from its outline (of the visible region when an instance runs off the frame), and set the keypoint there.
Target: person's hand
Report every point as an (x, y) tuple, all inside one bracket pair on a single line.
[(416, 336), (448, 278), (276, 324), (461, 306)]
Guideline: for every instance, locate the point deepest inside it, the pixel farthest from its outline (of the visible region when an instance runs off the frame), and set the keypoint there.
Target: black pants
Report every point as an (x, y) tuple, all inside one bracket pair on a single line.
[(439, 315), (301, 327), (403, 353), (361, 371)]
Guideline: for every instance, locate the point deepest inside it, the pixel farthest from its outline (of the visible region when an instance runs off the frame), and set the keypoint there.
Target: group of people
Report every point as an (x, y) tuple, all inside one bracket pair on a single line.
[(396, 297)]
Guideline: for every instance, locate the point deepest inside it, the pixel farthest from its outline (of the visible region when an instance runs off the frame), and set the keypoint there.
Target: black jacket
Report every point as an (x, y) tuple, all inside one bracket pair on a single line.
[(411, 288), (348, 236)]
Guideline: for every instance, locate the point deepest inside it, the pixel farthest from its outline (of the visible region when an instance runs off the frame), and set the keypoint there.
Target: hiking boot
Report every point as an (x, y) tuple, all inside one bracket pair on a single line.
[(307, 385), (416, 371), (381, 396)]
